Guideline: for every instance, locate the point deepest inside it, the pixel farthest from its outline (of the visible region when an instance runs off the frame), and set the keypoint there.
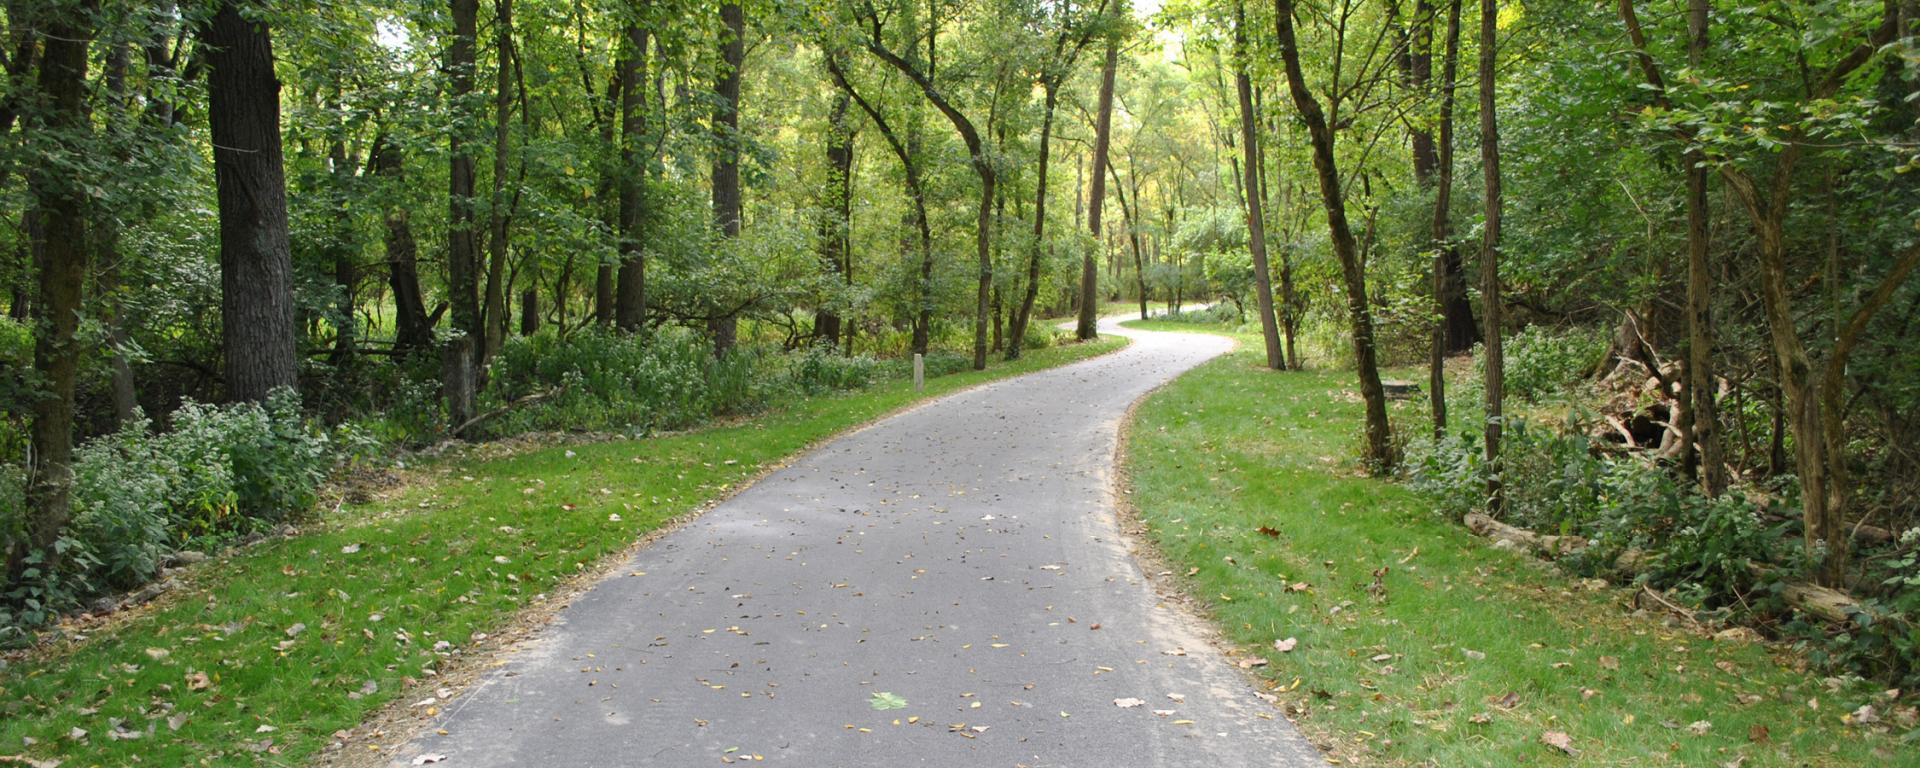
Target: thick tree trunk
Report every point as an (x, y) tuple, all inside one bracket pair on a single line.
[(1448, 282), (463, 252), (61, 202), (726, 157), (630, 313), (346, 267), (1700, 377), (1255, 205), (530, 311), (1490, 252), (836, 222), (1379, 435), (413, 332), (1088, 326), (256, 261)]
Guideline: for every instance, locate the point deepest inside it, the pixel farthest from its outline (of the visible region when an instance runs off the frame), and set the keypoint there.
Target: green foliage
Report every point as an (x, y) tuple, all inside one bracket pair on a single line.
[(1542, 363), (222, 472), (818, 370)]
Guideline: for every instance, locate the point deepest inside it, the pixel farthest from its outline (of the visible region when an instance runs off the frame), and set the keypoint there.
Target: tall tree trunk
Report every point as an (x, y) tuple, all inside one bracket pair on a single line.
[(61, 202), (498, 224), (630, 312), (1255, 206), (1379, 434), (726, 157), (1448, 284), (256, 261), (112, 266), (1088, 326), (463, 252), (836, 221), (413, 331), (1024, 312), (1490, 252), (346, 269), (1700, 379)]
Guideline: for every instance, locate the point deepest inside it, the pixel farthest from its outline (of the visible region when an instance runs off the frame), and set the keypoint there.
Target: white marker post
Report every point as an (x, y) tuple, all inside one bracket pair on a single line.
[(919, 372)]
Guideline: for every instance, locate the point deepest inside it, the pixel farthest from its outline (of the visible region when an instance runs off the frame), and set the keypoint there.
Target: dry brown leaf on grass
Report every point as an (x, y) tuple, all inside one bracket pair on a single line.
[(1285, 646), (1561, 741)]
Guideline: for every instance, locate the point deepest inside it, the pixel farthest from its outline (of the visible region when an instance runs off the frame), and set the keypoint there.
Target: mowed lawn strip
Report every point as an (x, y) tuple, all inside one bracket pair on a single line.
[(1464, 654), (269, 651)]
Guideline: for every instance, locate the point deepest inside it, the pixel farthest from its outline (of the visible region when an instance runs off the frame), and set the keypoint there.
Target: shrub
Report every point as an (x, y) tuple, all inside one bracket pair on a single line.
[(222, 472), (1040, 336), (597, 380), (1542, 362), (818, 369)]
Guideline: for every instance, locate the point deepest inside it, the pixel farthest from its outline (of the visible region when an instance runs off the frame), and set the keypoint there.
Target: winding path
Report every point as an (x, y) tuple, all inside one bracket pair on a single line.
[(962, 556)]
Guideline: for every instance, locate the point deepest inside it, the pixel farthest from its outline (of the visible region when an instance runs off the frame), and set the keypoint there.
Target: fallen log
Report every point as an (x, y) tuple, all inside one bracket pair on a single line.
[(1534, 542)]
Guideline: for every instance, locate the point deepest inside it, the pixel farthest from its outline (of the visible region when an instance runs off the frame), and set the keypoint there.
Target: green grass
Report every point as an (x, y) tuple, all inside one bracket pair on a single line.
[(1416, 677), (308, 635)]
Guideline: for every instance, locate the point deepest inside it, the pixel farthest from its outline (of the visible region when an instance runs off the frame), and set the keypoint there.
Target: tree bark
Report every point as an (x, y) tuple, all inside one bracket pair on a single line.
[(1379, 433), (1088, 327), (630, 313), (726, 156), (1024, 311), (463, 253), (256, 261), (1490, 252), (1448, 282), (1255, 206), (837, 220), (498, 213), (61, 203)]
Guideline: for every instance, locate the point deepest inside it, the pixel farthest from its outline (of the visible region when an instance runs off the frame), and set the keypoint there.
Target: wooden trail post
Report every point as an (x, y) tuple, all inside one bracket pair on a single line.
[(919, 372)]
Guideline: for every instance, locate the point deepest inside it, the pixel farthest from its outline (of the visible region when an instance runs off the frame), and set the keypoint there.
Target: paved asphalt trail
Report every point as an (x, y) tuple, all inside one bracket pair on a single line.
[(959, 555)]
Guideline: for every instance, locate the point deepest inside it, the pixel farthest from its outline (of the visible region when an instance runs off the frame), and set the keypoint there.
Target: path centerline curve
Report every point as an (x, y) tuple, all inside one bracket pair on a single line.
[(963, 556)]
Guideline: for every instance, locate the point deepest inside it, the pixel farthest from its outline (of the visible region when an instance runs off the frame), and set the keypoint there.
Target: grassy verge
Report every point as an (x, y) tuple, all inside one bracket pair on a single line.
[(1416, 642), (268, 652)]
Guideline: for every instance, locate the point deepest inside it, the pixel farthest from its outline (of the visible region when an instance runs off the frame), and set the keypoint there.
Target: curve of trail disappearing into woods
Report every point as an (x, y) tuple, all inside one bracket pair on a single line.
[(962, 558)]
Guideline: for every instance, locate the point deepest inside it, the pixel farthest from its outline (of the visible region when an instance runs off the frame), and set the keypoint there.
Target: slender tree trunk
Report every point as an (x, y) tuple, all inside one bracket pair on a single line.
[(630, 313), (726, 157), (345, 253), (495, 314), (256, 261), (1700, 377), (1446, 256), (1088, 327), (1379, 434), (1490, 252), (61, 202), (1255, 206), (1024, 311)]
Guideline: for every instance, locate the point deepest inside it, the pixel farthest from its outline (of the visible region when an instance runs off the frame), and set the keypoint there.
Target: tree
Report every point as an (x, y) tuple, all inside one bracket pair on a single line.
[(726, 156), (413, 329), (630, 313), (1490, 300), (982, 167), (1255, 204), (256, 261), (1449, 281), (836, 219), (1053, 71), (1087, 327), (1379, 453), (463, 253), (60, 199)]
